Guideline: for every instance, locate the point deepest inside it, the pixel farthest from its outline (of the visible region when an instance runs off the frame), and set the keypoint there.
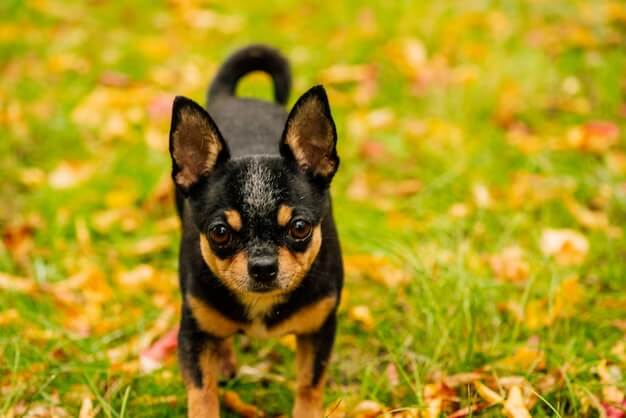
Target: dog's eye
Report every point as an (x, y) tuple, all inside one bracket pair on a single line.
[(220, 234), (299, 229)]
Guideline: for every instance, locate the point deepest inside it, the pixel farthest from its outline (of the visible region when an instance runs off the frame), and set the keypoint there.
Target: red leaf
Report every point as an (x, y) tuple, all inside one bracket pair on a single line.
[(615, 411), (153, 357)]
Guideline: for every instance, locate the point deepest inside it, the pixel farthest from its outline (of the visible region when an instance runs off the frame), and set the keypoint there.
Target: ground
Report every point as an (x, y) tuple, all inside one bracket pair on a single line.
[(481, 203)]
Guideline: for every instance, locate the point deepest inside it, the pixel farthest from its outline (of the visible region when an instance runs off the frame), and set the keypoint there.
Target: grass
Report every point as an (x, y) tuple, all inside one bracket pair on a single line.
[(91, 84)]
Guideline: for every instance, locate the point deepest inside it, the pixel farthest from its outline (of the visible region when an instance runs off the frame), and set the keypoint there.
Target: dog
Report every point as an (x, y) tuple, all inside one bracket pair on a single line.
[(259, 253)]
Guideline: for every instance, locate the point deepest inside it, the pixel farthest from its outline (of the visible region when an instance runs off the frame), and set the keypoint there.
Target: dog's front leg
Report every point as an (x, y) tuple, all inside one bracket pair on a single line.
[(201, 360), (312, 355)]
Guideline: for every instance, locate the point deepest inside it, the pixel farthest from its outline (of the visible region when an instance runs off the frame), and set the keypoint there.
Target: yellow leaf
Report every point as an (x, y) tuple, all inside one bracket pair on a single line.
[(17, 284), (363, 316), (568, 295), (377, 268), (488, 394), (367, 409), (514, 406), (592, 219), (524, 359), (233, 402)]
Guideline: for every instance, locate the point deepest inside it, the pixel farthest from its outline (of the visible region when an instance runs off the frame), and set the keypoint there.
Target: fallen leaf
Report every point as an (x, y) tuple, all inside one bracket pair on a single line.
[(372, 150), (86, 409), (392, 375), (567, 246), (154, 356), (459, 379), (362, 315), (567, 297), (9, 316), (377, 268), (138, 276), (17, 284), (151, 245), (591, 219), (594, 136), (524, 359), (341, 73), (233, 401), (509, 265), (482, 196), (612, 394), (514, 406), (488, 394), (367, 409), (614, 411), (459, 210), (69, 174), (465, 411)]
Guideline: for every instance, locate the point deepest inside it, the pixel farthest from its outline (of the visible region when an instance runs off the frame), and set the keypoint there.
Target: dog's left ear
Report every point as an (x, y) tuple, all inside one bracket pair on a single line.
[(310, 136), (196, 144)]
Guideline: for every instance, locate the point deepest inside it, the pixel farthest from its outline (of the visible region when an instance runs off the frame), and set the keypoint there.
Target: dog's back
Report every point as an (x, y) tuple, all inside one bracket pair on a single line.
[(251, 127)]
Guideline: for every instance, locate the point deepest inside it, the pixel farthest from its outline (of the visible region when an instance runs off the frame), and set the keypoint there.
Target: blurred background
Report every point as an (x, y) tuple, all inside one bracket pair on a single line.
[(481, 203)]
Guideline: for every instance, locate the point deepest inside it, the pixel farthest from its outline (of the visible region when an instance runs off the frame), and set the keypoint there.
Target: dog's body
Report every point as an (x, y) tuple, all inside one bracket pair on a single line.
[(259, 253)]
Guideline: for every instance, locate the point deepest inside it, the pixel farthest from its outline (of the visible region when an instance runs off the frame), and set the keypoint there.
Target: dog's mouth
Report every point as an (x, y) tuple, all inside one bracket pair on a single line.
[(263, 287)]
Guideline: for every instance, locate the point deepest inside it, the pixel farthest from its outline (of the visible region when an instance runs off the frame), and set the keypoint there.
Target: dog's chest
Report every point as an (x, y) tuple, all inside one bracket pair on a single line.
[(305, 320)]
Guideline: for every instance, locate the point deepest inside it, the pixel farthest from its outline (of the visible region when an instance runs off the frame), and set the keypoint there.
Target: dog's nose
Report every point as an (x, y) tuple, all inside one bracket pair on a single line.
[(263, 269)]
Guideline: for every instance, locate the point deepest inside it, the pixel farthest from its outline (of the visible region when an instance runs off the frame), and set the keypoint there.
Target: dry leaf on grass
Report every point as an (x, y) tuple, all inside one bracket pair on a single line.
[(594, 136), (489, 395), (459, 379), (367, 409), (509, 265), (154, 356), (524, 359), (17, 284), (233, 401), (539, 313), (70, 174), (514, 406), (614, 411), (362, 315), (463, 412), (86, 409), (567, 246), (377, 268), (151, 245), (591, 219)]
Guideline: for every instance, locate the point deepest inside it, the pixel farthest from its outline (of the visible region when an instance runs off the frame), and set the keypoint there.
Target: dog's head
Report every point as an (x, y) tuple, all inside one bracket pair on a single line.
[(259, 217)]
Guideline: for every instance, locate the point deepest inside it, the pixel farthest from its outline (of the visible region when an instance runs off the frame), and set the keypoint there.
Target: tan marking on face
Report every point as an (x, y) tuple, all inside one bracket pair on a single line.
[(233, 218), (292, 267), (309, 398), (203, 402), (284, 214), (196, 147), (233, 272), (210, 320)]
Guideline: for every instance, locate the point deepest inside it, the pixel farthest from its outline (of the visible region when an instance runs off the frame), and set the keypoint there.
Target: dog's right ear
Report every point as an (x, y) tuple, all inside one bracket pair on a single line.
[(196, 145)]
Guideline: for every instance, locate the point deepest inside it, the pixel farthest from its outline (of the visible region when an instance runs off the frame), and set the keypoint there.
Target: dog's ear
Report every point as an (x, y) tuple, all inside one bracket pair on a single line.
[(196, 145), (310, 136)]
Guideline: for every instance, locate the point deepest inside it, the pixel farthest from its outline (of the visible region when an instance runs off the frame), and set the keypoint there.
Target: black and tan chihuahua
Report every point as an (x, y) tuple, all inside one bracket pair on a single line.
[(259, 252)]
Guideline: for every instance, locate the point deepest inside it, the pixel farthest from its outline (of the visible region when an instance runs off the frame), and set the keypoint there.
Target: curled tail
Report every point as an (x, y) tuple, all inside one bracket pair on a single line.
[(246, 60)]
